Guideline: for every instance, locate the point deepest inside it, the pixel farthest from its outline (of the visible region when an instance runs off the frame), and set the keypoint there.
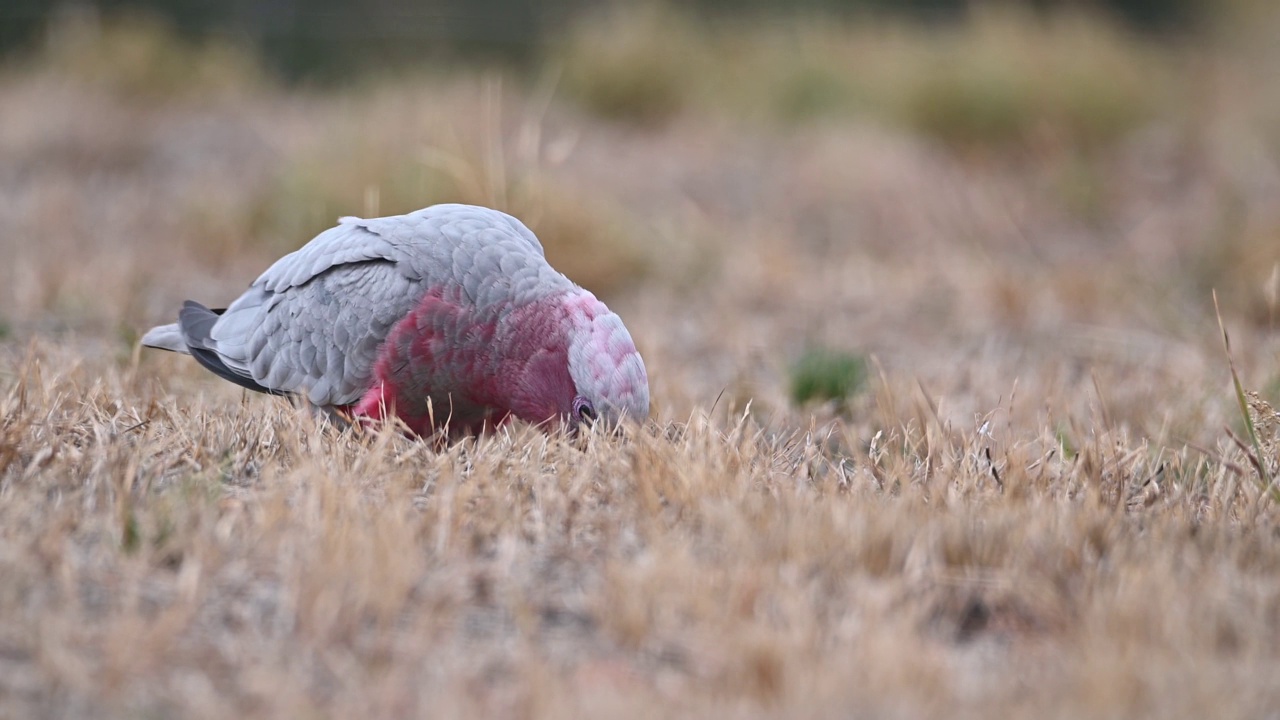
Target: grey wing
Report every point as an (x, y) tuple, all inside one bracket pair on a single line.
[(312, 324), (350, 242), (320, 338)]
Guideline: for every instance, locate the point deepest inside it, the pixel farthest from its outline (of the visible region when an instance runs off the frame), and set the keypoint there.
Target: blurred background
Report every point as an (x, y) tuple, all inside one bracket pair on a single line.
[(342, 38), (782, 199)]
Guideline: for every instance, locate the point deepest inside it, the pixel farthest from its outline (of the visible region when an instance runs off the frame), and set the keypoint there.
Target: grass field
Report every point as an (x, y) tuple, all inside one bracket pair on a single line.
[(1027, 502)]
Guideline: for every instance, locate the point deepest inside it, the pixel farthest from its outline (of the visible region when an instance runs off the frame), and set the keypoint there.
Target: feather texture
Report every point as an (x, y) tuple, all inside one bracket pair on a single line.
[(447, 308)]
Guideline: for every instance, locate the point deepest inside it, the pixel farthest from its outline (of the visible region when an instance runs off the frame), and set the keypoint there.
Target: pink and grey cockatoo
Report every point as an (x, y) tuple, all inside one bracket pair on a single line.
[(449, 318)]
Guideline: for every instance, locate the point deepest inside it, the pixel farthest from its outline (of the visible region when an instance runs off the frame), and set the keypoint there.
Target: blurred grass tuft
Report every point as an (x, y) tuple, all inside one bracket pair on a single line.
[(139, 55), (1003, 77), (826, 375), (1009, 75), (636, 65)]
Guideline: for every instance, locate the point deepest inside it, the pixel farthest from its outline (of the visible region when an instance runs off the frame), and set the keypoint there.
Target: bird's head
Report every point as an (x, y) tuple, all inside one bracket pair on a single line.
[(610, 383)]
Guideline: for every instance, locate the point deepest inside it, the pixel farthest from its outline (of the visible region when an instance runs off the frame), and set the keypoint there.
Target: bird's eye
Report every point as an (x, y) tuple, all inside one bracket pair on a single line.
[(584, 411)]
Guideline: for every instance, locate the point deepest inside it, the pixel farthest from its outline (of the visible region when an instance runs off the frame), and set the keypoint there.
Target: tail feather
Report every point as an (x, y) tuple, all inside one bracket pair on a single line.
[(166, 337), (195, 323)]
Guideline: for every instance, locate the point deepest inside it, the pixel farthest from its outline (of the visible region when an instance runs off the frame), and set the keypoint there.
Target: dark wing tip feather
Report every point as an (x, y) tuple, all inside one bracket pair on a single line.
[(196, 322), (211, 362)]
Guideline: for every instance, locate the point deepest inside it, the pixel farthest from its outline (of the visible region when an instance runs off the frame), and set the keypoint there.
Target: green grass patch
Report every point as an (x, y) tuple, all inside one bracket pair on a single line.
[(825, 375)]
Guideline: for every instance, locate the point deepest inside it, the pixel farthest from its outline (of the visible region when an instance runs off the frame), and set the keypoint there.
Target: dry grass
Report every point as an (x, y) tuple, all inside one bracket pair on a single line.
[(1032, 507), (216, 557)]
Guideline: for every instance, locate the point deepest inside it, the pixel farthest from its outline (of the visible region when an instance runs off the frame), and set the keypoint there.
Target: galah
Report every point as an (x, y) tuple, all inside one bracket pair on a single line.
[(450, 318)]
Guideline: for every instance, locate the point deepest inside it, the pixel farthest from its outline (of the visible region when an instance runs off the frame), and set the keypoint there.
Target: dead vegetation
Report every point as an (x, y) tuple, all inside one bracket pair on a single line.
[(1031, 504), (216, 557)]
